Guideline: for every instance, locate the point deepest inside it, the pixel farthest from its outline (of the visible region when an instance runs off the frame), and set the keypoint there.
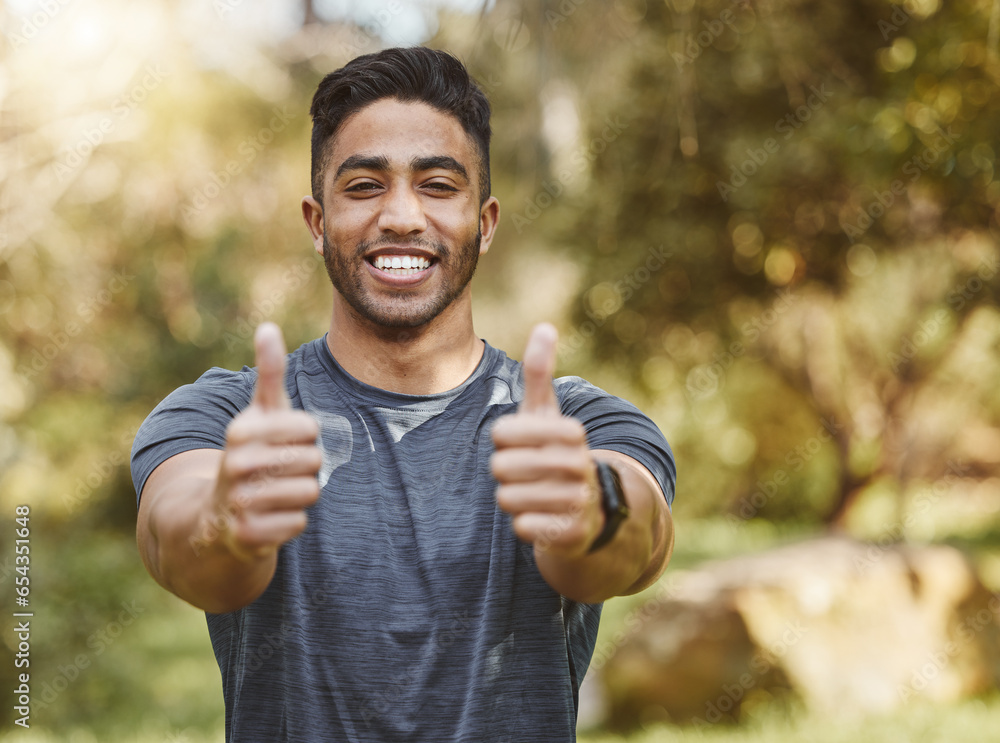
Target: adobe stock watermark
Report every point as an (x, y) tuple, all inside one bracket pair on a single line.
[(293, 279), (757, 157), (901, 15), (634, 621), (397, 687), (211, 529), (695, 44), (99, 473), (86, 311), (704, 380), (625, 288), (98, 642), (762, 661), (892, 534), (179, 736), (566, 8), (795, 460), (225, 7), (964, 293), (581, 159), (248, 150), (36, 21), (926, 332), (272, 644), (77, 154), (937, 660), (363, 38), (915, 167)]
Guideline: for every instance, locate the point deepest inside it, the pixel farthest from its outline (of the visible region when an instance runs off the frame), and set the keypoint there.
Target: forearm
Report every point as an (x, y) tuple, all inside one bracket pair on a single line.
[(633, 559), (183, 549)]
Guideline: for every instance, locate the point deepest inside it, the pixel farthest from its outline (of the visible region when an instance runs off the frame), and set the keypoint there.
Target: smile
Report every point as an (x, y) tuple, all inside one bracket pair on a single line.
[(401, 265)]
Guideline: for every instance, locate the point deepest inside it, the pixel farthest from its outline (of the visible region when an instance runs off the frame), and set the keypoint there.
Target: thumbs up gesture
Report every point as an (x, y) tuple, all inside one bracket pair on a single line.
[(547, 476), (268, 472)]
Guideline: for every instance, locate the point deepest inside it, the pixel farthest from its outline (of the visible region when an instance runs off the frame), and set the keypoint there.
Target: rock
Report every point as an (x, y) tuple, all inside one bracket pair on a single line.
[(845, 626)]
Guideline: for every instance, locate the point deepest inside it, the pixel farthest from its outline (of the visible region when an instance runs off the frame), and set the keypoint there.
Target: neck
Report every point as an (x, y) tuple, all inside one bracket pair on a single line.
[(425, 360)]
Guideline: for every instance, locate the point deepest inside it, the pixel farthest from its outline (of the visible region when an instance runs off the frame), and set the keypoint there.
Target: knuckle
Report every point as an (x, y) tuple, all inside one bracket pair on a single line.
[(311, 489), (504, 498), (241, 532), (497, 434), (242, 428), (314, 458), (503, 426), (240, 497), (580, 462), (577, 499), (498, 465), (233, 467), (235, 434), (568, 466), (522, 528), (310, 426)]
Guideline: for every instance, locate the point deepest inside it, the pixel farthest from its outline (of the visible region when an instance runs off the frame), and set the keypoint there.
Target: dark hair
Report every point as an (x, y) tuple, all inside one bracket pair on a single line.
[(406, 74)]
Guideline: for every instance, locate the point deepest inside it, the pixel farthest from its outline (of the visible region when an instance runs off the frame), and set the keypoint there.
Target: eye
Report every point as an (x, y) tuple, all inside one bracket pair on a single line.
[(441, 186), (363, 187)]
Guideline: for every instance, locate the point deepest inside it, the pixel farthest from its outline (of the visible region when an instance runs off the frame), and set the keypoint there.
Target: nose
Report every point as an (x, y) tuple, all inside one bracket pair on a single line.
[(402, 212)]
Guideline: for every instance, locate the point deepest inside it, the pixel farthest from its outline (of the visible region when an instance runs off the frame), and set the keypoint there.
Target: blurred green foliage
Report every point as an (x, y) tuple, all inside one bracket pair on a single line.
[(772, 224)]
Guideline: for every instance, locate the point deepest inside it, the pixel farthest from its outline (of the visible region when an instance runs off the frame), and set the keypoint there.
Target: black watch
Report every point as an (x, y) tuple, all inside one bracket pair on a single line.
[(612, 502)]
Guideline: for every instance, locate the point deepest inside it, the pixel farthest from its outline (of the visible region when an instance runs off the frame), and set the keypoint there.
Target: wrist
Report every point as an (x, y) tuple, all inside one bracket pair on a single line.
[(613, 506)]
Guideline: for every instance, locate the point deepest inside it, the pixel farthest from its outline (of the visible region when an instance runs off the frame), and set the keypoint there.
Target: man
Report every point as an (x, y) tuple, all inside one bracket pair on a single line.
[(398, 533)]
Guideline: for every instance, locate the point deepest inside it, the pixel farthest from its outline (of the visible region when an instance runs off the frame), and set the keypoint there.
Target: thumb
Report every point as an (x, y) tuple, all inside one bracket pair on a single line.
[(269, 347), (538, 367)]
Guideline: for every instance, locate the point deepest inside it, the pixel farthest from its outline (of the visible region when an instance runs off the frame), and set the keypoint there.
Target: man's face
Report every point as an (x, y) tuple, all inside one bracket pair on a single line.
[(402, 225)]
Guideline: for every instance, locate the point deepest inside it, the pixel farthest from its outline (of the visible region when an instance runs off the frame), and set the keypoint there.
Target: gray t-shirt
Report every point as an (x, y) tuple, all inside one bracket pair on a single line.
[(407, 610)]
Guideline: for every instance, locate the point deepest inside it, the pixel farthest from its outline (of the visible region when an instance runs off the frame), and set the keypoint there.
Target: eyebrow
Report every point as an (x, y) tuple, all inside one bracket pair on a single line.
[(444, 162), (381, 163)]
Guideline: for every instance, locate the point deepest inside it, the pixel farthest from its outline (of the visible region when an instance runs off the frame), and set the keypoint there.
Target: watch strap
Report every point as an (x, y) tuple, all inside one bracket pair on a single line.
[(612, 503)]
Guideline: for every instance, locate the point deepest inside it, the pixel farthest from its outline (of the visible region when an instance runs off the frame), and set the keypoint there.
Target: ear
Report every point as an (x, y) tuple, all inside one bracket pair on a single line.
[(312, 213), (489, 220)]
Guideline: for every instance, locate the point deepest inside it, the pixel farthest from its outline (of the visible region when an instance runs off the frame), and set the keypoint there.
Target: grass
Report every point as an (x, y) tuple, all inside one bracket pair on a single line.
[(967, 722), (183, 697)]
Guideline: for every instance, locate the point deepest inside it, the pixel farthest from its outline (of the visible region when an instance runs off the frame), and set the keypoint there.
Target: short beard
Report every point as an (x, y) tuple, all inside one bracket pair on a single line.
[(401, 311)]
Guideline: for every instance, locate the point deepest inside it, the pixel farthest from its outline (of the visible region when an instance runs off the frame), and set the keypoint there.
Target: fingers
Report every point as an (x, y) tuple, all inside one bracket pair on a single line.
[(542, 462), (267, 477), (269, 346), (538, 367), (284, 494), (553, 532), (258, 461), (551, 464), (258, 535), (279, 427), (520, 430), (554, 498)]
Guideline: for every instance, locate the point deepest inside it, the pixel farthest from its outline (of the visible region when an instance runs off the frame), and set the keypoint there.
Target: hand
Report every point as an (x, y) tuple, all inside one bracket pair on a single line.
[(268, 472), (547, 476)]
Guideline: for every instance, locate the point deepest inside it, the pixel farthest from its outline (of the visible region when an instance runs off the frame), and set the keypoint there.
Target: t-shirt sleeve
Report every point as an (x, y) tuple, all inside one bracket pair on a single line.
[(194, 416), (618, 425)]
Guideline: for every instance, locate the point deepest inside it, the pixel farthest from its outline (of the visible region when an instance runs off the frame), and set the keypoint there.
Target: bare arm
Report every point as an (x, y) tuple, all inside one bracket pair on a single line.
[(179, 537), (548, 484), (636, 556), (210, 522)]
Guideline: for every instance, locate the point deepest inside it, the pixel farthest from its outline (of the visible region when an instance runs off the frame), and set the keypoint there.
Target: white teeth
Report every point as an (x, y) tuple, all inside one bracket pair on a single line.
[(402, 265)]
